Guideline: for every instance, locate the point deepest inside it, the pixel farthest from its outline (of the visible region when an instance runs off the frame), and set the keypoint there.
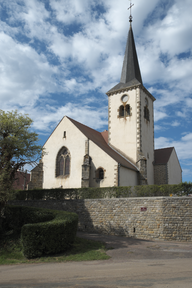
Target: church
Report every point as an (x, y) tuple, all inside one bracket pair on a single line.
[(79, 156)]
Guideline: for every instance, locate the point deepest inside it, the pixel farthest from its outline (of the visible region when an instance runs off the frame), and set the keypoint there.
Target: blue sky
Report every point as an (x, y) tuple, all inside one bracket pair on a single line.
[(60, 57)]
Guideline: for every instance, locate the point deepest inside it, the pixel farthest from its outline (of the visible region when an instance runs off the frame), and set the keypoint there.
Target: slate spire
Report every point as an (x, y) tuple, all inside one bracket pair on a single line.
[(130, 70), (130, 74)]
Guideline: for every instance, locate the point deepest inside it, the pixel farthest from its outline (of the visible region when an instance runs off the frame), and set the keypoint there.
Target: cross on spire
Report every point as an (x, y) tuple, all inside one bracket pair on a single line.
[(130, 17)]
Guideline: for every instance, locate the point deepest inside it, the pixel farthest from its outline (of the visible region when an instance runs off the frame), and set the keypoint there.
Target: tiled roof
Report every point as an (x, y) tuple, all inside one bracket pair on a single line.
[(105, 135), (100, 141), (161, 156)]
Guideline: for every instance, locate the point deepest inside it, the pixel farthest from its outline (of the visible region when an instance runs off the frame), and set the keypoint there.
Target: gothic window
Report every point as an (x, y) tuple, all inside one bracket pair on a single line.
[(99, 174), (124, 110), (61, 166), (63, 162), (146, 113), (67, 163)]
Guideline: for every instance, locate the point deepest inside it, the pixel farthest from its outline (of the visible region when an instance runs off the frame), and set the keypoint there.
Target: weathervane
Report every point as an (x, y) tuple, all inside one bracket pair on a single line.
[(130, 17)]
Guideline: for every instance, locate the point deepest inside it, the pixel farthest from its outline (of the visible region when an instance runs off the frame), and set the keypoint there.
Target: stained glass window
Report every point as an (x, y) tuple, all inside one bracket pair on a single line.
[(67, 163), (63, 162), (61, 166)]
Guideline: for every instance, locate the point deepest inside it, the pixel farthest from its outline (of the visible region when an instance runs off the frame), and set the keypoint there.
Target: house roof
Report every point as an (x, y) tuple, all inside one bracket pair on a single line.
[(105, 135), (130, 74), (161, 156), (100, 140), (21, 180)]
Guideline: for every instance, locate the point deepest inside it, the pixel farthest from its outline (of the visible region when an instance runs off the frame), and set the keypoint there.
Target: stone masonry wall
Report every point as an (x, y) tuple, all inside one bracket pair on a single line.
[(160, 174), (164, 218), (177, 218), (36, 180)]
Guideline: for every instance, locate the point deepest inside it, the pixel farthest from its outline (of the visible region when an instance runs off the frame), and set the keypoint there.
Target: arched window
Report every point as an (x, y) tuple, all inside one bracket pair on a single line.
[(121, 111), (67, 163), (127, 110), (99, 174), (63, 162), (146, 113), (124, 111), (61, 166)]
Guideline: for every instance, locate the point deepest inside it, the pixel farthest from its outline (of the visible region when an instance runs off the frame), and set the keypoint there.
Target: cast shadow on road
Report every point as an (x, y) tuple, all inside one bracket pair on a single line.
[(110, 233), (112, 241)]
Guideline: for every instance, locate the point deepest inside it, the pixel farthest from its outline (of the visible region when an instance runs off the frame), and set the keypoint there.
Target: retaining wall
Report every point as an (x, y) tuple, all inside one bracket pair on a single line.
[(164, 218)]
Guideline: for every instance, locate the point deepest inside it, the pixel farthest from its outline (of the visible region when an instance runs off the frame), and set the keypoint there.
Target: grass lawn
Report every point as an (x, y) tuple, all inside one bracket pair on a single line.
[(82, 250)]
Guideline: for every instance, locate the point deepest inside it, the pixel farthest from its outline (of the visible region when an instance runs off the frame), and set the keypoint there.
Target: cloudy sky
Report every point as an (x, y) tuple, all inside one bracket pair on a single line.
[(60, 57)]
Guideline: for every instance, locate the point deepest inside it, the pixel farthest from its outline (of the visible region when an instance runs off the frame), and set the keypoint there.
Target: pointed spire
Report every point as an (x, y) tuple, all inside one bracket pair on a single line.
[(130, 70), (130, 74)]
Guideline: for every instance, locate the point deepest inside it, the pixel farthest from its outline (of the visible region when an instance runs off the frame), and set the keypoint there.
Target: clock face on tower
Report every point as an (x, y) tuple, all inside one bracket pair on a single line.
[(124, 98)]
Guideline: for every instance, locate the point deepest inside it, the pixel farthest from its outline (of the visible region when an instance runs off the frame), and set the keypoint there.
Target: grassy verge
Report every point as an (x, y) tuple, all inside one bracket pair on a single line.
[(82, 250)]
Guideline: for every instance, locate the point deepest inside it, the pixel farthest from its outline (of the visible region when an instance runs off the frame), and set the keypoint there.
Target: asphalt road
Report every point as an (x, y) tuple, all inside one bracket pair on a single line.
[(134, 263)]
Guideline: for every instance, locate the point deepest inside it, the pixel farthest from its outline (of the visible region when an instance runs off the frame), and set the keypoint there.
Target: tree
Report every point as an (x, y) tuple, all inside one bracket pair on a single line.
[(18, 147)]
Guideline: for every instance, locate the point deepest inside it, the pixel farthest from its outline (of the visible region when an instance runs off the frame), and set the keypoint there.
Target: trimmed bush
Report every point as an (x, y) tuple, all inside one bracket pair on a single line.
[(106, 192), (43, 231)]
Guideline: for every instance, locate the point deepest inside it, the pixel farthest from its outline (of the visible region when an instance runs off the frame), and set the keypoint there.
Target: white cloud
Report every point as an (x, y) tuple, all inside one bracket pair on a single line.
[(181, 114), (187, 173), (34, 17), (158, 115), (158, 128), (189, 102), (72, 11), (187, 137), (162, 142), (98, 44), (49, 117), (175, 123), (182, 146), (24, 74), (173, 34)]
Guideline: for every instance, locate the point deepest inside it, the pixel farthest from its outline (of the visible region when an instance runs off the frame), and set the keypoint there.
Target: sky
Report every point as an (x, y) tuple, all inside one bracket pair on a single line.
[(60, 57)]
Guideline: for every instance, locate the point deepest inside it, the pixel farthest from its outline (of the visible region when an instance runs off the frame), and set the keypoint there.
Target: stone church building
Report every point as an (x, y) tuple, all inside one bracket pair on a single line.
[(78, 156)]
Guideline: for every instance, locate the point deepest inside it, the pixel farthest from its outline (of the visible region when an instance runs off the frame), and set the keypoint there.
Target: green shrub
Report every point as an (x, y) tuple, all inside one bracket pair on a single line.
[(20, 194), (186, 188), (43, 231), (106, 192)]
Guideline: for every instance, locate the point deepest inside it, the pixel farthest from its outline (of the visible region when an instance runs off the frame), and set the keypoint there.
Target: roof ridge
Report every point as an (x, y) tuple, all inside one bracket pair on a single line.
[(165, 148)]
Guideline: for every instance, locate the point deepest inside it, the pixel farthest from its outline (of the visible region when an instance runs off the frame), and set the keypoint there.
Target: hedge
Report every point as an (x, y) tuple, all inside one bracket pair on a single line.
[(107, 192), (43, 231)]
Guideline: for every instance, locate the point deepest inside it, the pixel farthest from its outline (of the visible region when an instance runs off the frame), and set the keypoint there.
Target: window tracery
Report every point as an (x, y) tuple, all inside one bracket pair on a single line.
[(63, 162)]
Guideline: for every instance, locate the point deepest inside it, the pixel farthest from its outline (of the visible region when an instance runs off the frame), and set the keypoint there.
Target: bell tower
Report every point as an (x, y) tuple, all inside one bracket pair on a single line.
[(130, 115)]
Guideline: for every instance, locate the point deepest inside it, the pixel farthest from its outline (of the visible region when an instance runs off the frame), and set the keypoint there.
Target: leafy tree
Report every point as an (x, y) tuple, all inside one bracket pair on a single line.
[(18, 147)]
